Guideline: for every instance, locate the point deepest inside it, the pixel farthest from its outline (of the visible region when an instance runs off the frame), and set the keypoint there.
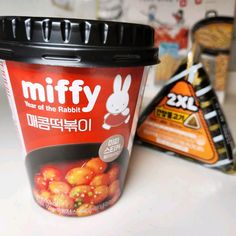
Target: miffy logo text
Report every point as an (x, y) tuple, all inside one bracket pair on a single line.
[(60, 91)]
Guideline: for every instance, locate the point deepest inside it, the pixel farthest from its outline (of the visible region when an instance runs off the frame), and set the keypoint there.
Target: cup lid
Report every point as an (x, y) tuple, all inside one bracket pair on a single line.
[(76, 42)]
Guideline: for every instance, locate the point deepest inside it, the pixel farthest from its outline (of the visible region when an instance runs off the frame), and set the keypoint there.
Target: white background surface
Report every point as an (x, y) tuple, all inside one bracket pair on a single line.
[(79, 8), (163, 196)]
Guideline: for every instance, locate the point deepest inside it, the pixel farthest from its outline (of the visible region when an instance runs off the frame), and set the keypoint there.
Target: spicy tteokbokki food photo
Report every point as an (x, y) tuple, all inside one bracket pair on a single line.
[(80, 185)]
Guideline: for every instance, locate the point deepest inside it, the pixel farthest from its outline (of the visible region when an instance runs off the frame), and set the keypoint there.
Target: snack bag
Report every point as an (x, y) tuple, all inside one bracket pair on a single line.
[(185, 118)]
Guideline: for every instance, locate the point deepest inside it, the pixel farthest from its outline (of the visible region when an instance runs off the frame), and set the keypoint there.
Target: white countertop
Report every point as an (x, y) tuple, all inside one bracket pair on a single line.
[(163, 195)]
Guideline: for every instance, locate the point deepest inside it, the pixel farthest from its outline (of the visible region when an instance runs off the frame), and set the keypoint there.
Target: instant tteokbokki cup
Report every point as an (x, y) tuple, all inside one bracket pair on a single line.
[(75, 89)]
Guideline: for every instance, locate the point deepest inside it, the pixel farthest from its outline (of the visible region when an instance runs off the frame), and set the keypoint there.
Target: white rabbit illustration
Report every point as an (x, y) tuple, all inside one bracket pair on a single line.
[(117, 104)]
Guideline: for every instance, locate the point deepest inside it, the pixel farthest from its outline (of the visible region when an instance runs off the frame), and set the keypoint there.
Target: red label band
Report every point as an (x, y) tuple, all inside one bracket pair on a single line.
[(62, 105)]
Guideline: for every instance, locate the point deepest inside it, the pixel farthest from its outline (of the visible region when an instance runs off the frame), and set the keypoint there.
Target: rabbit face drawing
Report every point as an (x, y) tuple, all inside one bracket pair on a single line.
[(117, 103)]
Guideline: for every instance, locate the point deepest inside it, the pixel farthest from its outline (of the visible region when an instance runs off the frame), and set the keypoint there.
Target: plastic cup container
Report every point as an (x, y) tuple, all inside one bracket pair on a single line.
[(75, 89)]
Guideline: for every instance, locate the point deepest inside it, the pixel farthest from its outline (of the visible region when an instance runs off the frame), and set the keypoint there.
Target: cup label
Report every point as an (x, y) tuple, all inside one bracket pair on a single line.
[(77, 126), (62, 105)]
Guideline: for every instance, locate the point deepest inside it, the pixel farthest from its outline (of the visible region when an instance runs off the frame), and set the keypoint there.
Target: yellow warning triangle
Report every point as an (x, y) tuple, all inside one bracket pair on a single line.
[(192, 122)]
